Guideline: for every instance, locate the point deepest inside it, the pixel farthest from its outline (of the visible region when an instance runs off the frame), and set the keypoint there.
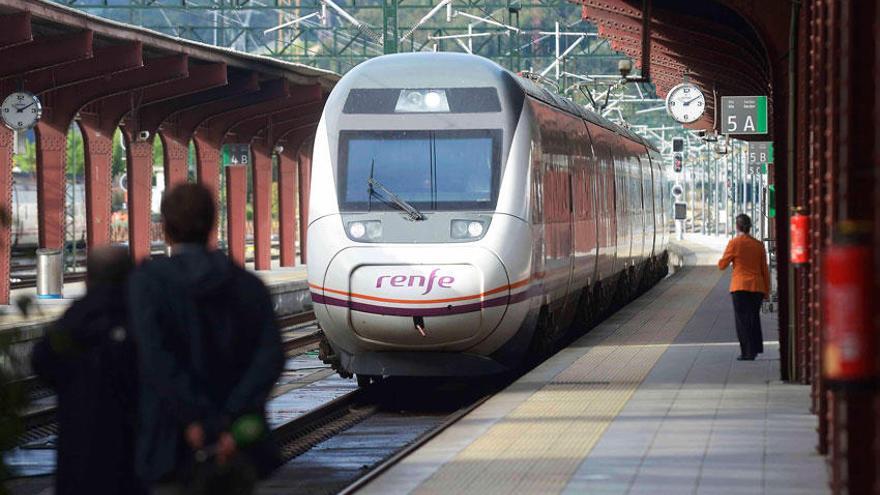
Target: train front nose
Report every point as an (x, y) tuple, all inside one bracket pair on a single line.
[(414, 298)]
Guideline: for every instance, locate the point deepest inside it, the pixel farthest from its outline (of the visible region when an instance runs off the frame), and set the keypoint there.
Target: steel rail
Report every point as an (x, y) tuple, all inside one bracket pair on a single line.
[(421, 440)]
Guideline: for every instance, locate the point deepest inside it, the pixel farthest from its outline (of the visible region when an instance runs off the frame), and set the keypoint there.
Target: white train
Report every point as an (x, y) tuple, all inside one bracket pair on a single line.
[(24, 229), (461, 218)]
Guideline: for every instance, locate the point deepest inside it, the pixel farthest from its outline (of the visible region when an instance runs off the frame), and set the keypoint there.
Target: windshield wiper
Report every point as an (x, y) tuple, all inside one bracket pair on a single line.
[(409, 209)]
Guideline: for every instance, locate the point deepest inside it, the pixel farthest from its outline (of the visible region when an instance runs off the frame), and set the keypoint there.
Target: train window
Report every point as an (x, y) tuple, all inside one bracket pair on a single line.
[(433, 170), (385, 100)]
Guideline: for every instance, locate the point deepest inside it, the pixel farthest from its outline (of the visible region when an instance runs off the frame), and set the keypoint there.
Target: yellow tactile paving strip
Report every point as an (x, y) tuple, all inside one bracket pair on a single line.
[(538, 446)]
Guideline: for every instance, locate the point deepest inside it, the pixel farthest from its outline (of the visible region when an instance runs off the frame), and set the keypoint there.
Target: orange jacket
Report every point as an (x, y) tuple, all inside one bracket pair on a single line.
[(750, 271)]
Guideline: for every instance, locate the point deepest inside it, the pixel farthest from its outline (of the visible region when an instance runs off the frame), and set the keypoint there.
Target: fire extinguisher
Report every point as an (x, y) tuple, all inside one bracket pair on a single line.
[(800, 237), (849, 343)]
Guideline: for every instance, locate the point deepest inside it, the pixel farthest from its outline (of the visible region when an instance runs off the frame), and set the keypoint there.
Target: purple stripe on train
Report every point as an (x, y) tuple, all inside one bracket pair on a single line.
[(442, 311)]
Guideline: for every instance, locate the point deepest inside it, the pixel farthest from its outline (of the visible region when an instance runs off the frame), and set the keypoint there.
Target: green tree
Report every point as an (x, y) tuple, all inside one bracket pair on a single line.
[(75, 152), (117, 159), (27, 161)]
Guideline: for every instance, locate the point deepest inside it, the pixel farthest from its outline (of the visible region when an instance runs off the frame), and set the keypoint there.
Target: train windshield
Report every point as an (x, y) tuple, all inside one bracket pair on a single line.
[(432, 170)]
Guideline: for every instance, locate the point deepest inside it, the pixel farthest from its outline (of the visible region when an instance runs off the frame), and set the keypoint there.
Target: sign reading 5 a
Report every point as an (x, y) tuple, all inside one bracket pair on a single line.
[(744, 114)]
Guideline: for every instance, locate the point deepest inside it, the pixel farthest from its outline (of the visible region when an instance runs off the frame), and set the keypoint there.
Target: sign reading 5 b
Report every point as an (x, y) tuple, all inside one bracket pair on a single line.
[(744, 114), (760, 152)]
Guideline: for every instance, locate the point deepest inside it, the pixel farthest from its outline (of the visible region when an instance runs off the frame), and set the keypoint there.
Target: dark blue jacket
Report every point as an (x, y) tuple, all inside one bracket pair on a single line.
[(89, 360), (209, 351)]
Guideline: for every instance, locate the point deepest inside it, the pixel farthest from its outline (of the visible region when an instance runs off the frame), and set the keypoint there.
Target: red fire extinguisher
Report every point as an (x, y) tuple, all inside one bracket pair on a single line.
[(848, 351), (800, 237)]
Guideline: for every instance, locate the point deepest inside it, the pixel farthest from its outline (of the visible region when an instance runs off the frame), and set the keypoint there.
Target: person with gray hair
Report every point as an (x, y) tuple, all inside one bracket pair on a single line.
[(88, 358)]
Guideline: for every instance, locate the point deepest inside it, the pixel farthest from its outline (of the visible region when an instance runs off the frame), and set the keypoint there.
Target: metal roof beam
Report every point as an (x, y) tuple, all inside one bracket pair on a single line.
[(45, 52), (15, 29)]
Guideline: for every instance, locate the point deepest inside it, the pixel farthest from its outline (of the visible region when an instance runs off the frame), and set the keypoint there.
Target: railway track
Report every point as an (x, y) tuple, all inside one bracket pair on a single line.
[(367, 431), (387, 420)]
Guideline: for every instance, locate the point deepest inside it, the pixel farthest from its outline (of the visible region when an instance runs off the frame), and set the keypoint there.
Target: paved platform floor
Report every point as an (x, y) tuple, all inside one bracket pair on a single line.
[(650, 401)]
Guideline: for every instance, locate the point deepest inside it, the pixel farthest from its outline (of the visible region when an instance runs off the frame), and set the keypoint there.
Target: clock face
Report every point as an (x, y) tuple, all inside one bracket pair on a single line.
[(21, 110), (685, 103)]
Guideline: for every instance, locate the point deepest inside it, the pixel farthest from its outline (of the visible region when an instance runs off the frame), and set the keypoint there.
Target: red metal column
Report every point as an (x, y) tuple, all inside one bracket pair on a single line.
[(261, 161), (236, 205), (139, 172), (208, 171), (5, 209), (51, 162), (61, 107), (801, 196), (98, 149), (305, 180), (176, 153), (244, 124), (292, 138), (287, 166)]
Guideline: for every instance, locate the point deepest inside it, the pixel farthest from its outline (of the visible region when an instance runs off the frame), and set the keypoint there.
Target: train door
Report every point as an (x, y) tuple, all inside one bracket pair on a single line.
[(584, 241), (663, 202), (622, 201), (652, 184), (556, 198), (647, 202), (592, 210), (602, 141), (639, 207)]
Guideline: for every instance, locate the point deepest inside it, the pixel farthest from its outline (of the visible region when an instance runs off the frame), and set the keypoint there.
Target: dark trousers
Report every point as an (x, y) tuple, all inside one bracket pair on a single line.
[(747, 311)]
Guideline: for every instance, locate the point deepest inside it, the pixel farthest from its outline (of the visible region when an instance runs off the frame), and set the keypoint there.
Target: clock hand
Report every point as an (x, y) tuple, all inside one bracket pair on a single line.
[(695, 98), (22, 109)]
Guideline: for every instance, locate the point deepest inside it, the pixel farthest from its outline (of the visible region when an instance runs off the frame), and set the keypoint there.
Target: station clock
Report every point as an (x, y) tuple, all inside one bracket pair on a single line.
[(685, 103), (21, 110)]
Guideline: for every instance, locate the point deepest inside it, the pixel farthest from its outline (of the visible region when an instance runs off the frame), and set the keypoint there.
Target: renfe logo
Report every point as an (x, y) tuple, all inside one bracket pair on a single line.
[(417, 281)]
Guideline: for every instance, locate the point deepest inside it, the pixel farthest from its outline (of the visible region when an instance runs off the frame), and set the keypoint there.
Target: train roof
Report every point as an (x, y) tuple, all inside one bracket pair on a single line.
[(565, 104), (459, 70)]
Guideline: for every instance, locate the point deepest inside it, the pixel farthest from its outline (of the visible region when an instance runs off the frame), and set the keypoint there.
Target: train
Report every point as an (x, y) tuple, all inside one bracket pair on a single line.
[(24, 229), (463, 219)]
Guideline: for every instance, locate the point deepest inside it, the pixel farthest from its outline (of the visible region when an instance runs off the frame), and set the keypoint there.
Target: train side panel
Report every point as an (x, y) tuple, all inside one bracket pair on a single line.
[(603, 141)]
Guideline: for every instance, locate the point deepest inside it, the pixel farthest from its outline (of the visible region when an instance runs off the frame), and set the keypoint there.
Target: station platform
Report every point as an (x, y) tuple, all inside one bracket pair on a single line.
[(652, 400), (276, 279), (288, 288)]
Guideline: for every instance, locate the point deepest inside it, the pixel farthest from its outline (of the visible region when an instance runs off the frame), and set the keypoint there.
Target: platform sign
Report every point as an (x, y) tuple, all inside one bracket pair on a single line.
[(760, 155), (744, 114), (236, 154)]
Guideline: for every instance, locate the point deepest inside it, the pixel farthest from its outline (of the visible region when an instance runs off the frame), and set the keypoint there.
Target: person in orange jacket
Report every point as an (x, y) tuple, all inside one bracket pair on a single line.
[(749, 285)]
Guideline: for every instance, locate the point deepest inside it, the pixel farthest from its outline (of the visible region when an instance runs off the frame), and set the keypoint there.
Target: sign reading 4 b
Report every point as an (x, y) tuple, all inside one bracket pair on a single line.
[(744, 114), (235, 154)]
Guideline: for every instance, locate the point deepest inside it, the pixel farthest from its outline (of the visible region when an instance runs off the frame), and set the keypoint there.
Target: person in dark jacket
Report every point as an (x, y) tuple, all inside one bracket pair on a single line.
[(209, 350), (88, 358)]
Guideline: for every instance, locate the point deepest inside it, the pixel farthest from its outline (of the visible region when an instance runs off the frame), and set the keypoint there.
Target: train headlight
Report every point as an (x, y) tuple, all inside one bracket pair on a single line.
[(467, 229), (422, 100), (357, 229), (369, 230), (475, 229)]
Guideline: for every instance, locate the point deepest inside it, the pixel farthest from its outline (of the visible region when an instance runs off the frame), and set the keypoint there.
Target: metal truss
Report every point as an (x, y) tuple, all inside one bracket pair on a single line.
[(546, 38), (340, 34)]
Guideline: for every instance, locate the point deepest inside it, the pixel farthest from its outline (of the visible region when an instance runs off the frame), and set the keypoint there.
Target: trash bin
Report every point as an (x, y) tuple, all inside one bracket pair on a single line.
[(50, 273)]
